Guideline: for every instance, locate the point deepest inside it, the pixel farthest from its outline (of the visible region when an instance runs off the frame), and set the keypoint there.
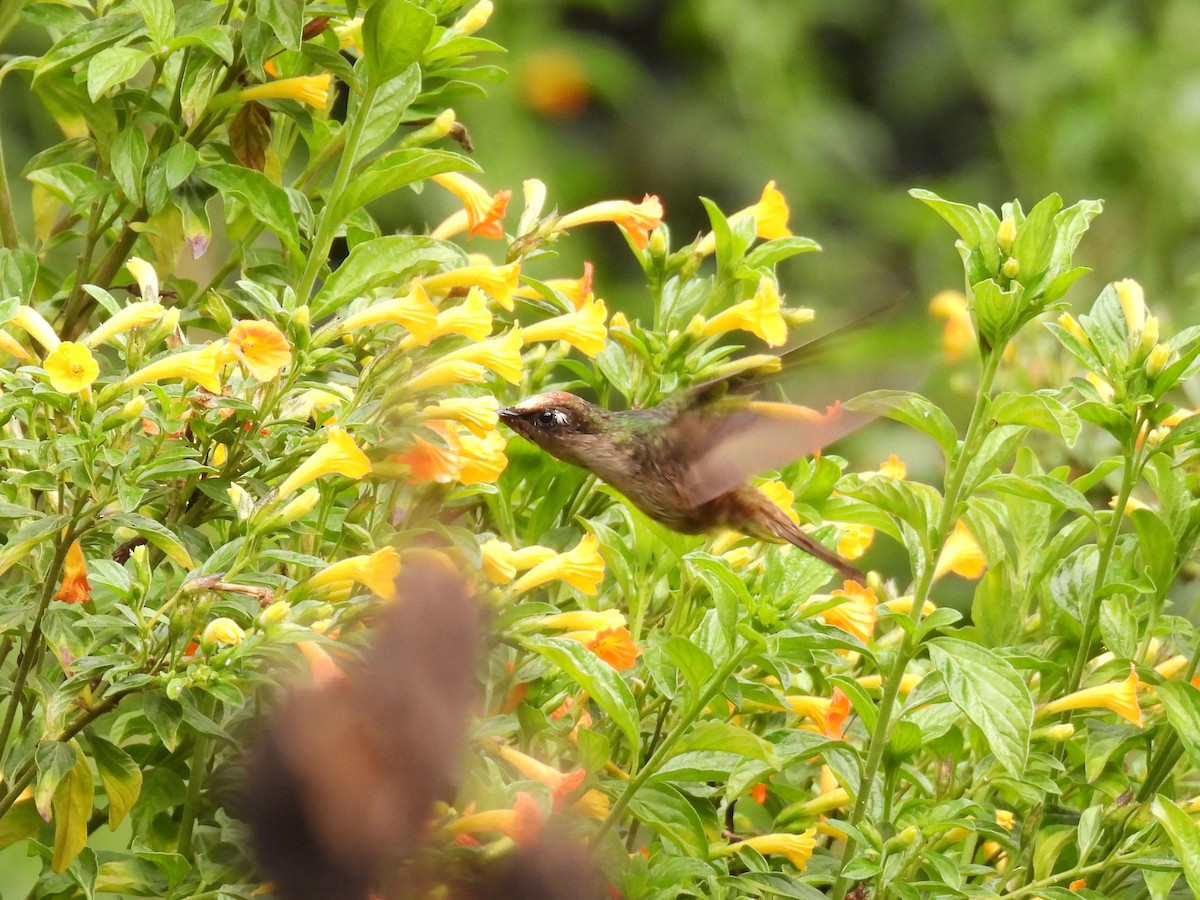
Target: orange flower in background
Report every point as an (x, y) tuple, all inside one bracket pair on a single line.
[(958, 336), (71, 368), (339, 455), (415, 311), (522, 823), (1118, 696), (961, 554), (856, 615), (616, 647), (810, 707), (427, 461), (581, 567), (594, 804), (75, 587), (908, 682), (312, 90), (835, 718), (554, 82), (261, 347), (636, 220), (498, 282), (483, 212), (583, 329), (561, 784), (320, 664), (894, 467), (202, 366)]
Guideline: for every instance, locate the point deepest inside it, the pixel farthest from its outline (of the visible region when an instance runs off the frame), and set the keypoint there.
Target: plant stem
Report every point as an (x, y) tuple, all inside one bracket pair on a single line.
[(9, 236), (201, 753)]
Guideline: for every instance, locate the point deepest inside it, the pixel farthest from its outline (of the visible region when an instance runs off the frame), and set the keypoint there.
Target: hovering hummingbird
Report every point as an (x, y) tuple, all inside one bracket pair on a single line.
[(685, 462)]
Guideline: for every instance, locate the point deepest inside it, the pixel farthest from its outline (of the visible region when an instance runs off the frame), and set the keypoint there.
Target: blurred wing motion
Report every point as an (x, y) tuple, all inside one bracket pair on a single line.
[(342, 785)]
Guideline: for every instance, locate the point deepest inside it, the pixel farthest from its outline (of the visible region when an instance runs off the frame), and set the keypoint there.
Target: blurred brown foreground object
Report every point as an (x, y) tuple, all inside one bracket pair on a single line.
[(341, 786)]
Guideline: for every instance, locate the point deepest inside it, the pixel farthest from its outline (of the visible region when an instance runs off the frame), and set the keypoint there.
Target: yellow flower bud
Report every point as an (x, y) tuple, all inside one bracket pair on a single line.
[(275, 613), (1006, 234), (223, 631), (1157, 360)]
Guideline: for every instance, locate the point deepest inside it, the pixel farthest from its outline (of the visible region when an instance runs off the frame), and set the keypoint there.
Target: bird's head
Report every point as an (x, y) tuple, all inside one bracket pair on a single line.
[(562, 424)]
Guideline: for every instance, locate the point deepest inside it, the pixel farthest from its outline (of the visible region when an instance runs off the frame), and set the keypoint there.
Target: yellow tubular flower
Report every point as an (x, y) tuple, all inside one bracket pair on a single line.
[(594, 804), (576, 290), (1168, 669), (485, 212), (310, 89), (499, 567), (71, 367), (471, 319), (961, 555), (561, 784), (477, 413), (1103, 388), (582, 329), (760, 315), (501, 355), (1133, 305), (796, 848), (579, 620), (637, 220), (13, 346), (202, 366), (770, 219), (815, 708), (377, 572), (338, 455), (223, 631), (415, 311), (908, 682), (1071, 326), (779, 494), (739, 557), (581, 567), (498, 282), (483, 458), (521, 823), (35, 325), (145, 276), (856, 615), (135, 315), (1118, 696), (443, 372), (855, 541), (261, 348)]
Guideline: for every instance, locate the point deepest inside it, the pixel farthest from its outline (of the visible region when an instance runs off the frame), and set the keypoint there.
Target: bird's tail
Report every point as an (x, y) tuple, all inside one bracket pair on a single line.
[(785, 529)]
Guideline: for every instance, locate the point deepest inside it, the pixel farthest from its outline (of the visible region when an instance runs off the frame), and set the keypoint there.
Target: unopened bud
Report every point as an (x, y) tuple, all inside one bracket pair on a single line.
[(275, 613), (1071, 326), (1010, 268), (298, 508), (534, 192), (243, 503), (302, 317), (1159, 356), (800, 315), (223, 631), (657, 245), (1149, 335), (127, 413), (1055, 734), (476, 17), (1006, 234)]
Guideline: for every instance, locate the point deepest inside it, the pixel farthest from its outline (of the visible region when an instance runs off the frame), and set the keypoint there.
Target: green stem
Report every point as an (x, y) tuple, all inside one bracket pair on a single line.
[(197, 773), (9, 236), (956, 478), (660, 755)]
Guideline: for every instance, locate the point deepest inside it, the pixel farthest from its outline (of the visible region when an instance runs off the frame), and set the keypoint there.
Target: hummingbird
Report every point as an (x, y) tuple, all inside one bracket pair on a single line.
[(685, 462)]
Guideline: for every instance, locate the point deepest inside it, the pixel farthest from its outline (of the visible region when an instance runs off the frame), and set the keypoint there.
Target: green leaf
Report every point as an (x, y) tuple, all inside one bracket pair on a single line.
[(112, 66), (729, 592), (72, 809), (29, 536), (159, 16), (387, 260), (1182, 704), (911, 409), (728, 738), (598, 678), (1156, 546), (997, 446), (20, 822), (968, 221), (386, 108), (263, 199), (1035, 237), (669, 813), (395, 34), (1040, 409), (693, 664), (991, 693), (120, 775), (285, 18), (54, 760), (1184, 834), (1042, 488), (157, 534), (128, 161), (393, 171), (773, 252)]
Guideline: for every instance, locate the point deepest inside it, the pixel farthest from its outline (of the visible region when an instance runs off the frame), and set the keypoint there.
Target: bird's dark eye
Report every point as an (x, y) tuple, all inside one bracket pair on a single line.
[(551, 418)]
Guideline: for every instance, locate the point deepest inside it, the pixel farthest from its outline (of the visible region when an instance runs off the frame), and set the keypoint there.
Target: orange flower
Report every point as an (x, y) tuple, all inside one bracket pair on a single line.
[(75, 586), (261, 348), (961, 555), (522, 823), (758, 793), (427, 461), (320, 664), (554, 82), (894, 467), (561, 784), (616, 647), (339, 455), (856, 615), (484, 212), (1118, 696), (835, 718), (637, 220), (810, 707)]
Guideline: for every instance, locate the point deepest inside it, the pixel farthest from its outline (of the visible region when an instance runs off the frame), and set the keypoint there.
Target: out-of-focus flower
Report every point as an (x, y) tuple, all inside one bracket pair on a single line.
[(579, 620), (498, 282), (311, 400), (903, 605), (135, 315), (310, 89), (1169, 668), (223, 631), (501, 355), (482, 458), (770, 215), (1071, 326), (477, 413), (71, 367), (377, 572), (582, 329), (576, 290), (855, 541), (339, 455), (856, 615), (839, 711), (594, 804), (1133, 305), (554, 82), (298, 508), (13, 346), (637, 220), (349, 35), (443, 372), (1132, 504), (908, 682), (261, 347), (202, 366), (75, 587), (582, 567), (796, 848), (958, 336), (522, 823), (1118, 696), (483, 213), (782, 496), (320, 664), (561, 784), (739, 557), (147, 279), (961, 555), (616, 647), (760, 315), (414, 310), (427, 461), (894, 467), (35, 325), (474, 18), (501, 562)]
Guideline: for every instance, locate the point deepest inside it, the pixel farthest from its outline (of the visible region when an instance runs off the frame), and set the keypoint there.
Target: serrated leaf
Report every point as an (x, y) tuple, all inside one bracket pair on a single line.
[(991, 693), (157, 534), (121, 777), (603, 684), (911, 409)]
